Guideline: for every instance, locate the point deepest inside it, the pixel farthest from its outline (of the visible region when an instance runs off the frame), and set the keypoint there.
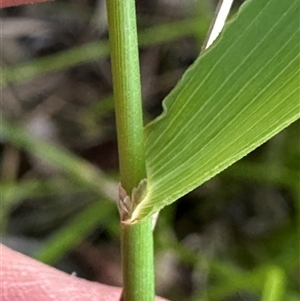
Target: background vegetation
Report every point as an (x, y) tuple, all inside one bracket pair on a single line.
[(233, 238)]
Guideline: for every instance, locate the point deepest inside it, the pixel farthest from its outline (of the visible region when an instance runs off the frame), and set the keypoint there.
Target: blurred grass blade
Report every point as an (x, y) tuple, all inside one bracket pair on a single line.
[(70, 236), (237, 95), (274, 285), (218, 23), (76, 168), (96, 51), (12, 192)]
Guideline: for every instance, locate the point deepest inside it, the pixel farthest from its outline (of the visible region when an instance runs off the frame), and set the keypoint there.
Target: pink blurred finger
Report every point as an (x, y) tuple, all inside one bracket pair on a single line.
[(7, 3), (25, 279)]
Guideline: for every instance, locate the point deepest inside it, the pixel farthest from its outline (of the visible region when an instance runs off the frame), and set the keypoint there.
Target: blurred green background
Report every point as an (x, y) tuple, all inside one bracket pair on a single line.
[(234, 238)]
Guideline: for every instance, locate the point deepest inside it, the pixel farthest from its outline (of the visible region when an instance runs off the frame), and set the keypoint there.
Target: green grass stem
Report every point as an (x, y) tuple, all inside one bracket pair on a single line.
[(136, 239)]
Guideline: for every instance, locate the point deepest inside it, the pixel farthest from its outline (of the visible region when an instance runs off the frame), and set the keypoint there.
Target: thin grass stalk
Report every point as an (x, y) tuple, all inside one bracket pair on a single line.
[(136, 239)]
